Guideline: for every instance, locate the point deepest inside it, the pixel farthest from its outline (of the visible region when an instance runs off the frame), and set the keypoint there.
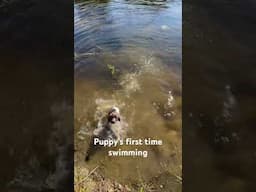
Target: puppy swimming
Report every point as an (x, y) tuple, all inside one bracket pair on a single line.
[(108, 133)]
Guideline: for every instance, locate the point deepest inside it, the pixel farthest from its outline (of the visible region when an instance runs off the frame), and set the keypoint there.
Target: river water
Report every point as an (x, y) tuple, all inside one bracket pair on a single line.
[(128, 54), (218, 95)]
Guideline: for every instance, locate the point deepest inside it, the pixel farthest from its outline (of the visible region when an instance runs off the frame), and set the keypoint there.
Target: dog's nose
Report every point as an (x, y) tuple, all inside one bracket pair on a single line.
[(113, 120)]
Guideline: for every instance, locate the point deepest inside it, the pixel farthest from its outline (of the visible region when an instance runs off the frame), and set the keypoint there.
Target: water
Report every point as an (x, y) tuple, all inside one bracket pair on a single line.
[(128, 54), (219, 95), (36, 140)]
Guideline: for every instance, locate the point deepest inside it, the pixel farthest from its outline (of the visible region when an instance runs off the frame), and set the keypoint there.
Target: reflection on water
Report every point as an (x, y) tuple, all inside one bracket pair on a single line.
[(128, 53), (123, 26)]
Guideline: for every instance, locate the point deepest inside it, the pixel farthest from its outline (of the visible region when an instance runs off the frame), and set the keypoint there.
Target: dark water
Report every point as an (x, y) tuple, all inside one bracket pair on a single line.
[(36, 77), (124, 26), (219, 95), (142, 41)]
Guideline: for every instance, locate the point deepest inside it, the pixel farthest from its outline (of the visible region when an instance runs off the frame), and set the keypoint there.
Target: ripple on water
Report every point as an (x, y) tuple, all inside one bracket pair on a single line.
[(141, 40)]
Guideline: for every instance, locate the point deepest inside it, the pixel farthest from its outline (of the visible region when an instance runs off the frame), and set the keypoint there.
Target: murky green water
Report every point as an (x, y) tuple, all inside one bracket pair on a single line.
[(128, 53)]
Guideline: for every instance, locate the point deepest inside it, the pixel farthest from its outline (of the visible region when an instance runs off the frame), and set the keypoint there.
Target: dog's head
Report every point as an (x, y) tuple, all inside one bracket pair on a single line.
[(114, 115)]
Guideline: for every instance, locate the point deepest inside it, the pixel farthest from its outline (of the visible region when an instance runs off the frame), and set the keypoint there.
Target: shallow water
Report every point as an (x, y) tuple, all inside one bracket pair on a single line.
[(128, 54)]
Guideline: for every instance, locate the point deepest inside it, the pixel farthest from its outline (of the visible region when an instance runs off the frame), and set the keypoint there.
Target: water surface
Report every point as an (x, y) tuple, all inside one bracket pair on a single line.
[(128, 53)]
